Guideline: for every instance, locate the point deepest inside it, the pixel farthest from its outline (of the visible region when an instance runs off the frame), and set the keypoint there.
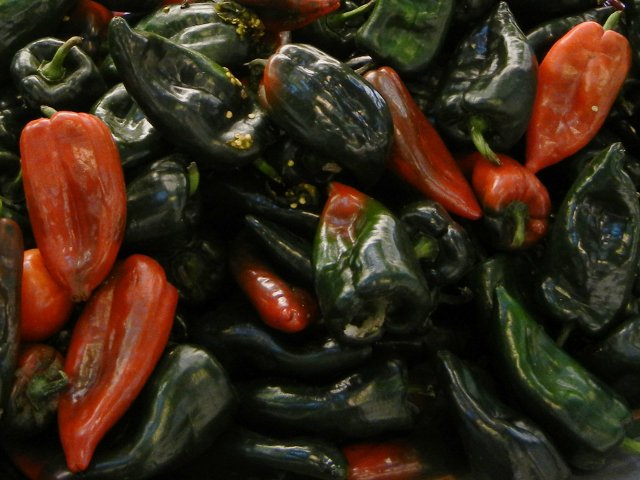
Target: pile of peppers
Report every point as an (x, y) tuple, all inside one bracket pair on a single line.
[(319, 239)]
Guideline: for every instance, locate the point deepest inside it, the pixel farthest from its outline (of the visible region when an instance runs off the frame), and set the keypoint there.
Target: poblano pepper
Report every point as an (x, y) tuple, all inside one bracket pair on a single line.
[(589, 262), (367, 276), (488, 92)]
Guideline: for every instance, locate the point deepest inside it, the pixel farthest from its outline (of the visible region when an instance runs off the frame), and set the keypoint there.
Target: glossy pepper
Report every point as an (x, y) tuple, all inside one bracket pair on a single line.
[(488, 91), (187, 402), (367, 275), (89, 20), (174, 93), (516, 203), (304, 90), (419, 155), (57, 74), (75, 192), (578, 82), (117, 341), (500, 442), (14, 114), (405, 34), (281, 15), (589, 261)]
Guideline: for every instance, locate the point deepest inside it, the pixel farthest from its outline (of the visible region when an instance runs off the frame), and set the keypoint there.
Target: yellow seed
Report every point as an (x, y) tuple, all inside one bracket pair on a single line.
[(229, 114)]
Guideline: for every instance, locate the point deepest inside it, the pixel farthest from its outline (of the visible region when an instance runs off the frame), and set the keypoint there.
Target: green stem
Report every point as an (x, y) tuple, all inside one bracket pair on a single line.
[(42, 387), (518, 213), (48, 111), (564, 334), (194, 177), (337, 20), (612, 21), (477, 127), (631, 445), (266, 168), (54, 70), (426, 248)]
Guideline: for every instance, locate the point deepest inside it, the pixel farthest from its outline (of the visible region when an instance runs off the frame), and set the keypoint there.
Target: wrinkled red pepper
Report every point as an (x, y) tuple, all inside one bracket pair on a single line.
[(578, 82), (76, 197), (284, 15), (419, 154), (116, 343)]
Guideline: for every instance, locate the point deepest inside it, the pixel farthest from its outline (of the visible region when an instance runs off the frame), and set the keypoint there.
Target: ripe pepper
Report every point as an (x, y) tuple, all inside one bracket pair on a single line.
[(75, 192), (406, 35), (58, 74), (115, 344), (367, 276), (89, 20), (305, 92), (419, 156), (174, 93), (285, 15), (488, 92), (578, 82), (516, 203), (588, 266)]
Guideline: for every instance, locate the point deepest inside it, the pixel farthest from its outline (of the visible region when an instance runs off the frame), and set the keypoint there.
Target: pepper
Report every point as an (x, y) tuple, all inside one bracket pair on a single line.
[(488, 92), (79, 227), (33, 402), (500, 442), (58, 74), (579, 80), (14, 114), (442, 245), (137, 140), (115, 344), (174, 93), (285, 15), (11, 254), (419, 156), (405, 34), (592, 246), (305, 91), (369, 401), (367, 276), (90, 21), (187, 402), (131, 5), (516, 203)]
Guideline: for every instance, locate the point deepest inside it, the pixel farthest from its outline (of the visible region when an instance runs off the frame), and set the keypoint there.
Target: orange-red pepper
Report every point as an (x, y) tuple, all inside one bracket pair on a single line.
[(578, 81), (116, 343), (284, 15)]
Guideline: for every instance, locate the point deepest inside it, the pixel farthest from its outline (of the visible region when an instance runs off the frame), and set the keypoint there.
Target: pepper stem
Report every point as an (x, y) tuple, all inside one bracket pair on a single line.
[(426, 248), (477, 127), (631, 445), (42, 387), (612, 20), (518, 212), (265, 167), (336, 20), (193, 174), (48, 111), (54, 70)]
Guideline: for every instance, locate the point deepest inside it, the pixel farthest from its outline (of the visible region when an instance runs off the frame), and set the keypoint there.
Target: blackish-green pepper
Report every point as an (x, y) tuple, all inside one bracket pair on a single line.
[(589, 261), (14, 115)]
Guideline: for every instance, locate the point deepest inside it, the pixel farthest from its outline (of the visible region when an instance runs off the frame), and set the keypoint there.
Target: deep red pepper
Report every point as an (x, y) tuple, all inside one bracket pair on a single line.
[(419, 155), (511, 196), (280, 305), (116, 343), (89, 20), (578, 82), (46, 306), (284, 15), (76, 197)]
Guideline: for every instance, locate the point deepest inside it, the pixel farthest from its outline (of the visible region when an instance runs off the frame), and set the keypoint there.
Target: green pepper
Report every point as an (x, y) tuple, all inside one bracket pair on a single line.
[(406, 34), (500, 442), (196, 103), (370, 401), (488, 92), (57, 74), (367, 275), (468, 11), (589, 261), (137, 140), (186, 404), (585, 418), (14, 115)]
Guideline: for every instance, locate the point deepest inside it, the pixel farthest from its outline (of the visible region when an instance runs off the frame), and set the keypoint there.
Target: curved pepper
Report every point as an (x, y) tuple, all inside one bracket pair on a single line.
[(579, 79), (419, 156), (75, 192), (367, 275), (285, 15), (116, 343)]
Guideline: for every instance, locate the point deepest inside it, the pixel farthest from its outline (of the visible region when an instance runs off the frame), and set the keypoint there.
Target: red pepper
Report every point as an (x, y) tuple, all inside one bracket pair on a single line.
[(516, 203), (76, 197), (280, 305), (389, 460), (89, 20), (419, 154), (46, 306), (578, 82), (284, 15), (114, 347)]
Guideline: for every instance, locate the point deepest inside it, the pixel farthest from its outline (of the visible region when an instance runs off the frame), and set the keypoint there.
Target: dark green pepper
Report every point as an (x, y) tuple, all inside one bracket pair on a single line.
[(589, 262), (487, 94), (57, 74), (137, 140), (500, 442), (196, 103), (367, 275), (187, 402), (14, 115), (406, 34), (369, 401)]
